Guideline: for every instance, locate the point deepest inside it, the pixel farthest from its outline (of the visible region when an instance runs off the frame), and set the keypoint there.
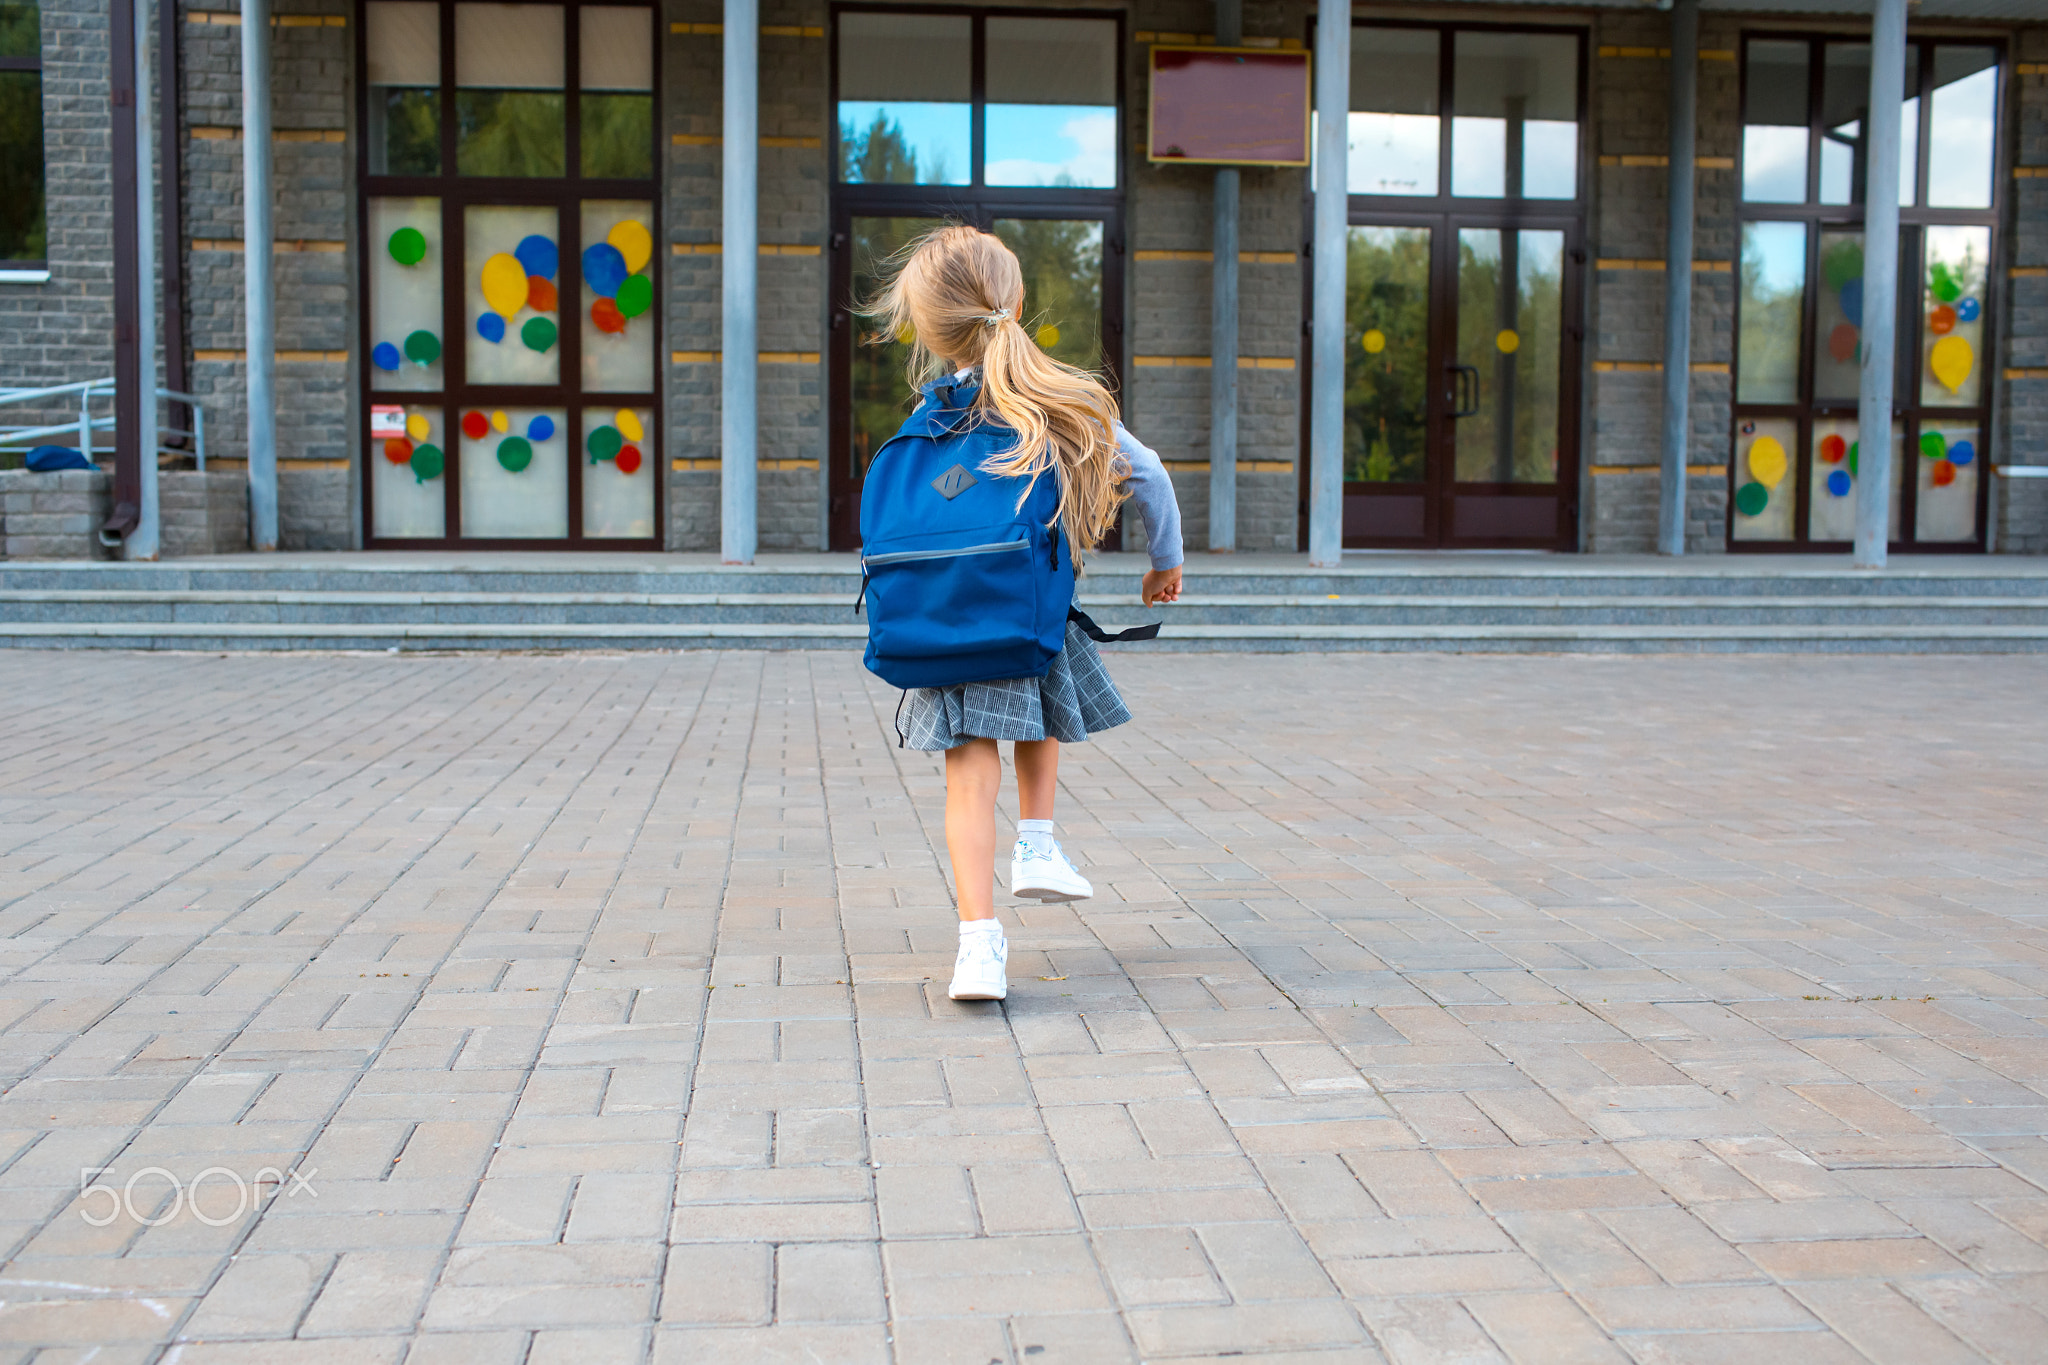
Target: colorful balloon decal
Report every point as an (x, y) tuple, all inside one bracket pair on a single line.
[(537, 257), (423, 348), (1933, 445), (1374, 341), (1767, 461), (1943, 283), (397, 450), (385, 356), (1507, 342), (614, 271), (541, 428), (408, 246), (1961, 453), (515, 453), (1833, 448), (538, 334), (491, 328), (500, 423), (604, 443), (1942, 474), (540, 295), (604, 269), (605, 314), (633, 242), (1047, 336), (522, 278), (1751, 499), (475, 425), (1942, 320), (1838, 483), (1968, 310), (1843, 341), (504, 284), (628, 423), (628, 460), (1951, 359), (428, 462), (418, 427)]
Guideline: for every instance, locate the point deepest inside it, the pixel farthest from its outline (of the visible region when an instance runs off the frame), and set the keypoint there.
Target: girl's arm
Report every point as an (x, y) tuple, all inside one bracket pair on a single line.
[(1152, 494)]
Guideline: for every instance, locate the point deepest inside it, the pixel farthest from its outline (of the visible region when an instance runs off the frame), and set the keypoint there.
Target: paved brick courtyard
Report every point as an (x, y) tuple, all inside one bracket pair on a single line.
[(582, 1009)]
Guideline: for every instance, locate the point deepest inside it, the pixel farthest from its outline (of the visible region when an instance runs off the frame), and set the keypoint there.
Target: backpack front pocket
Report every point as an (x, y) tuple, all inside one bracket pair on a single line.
[(942, 601)]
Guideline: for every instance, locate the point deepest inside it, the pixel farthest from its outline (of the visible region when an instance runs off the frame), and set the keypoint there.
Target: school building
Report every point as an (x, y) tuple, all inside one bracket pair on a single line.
[(516, 250)]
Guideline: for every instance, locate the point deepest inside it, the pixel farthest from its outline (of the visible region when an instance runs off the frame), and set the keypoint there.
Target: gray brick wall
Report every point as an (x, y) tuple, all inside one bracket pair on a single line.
[(2019, 507)]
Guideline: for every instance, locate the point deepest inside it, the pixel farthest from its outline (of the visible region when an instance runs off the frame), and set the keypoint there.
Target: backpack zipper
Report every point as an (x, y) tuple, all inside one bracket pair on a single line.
[(906, 556)]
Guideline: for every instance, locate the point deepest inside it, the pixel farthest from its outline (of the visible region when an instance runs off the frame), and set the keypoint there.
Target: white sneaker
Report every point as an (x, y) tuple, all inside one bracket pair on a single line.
[(1046, 876), (978, 972)]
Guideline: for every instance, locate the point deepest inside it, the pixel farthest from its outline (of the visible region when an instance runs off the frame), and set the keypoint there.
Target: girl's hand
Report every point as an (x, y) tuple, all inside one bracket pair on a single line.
[(1161, 585)]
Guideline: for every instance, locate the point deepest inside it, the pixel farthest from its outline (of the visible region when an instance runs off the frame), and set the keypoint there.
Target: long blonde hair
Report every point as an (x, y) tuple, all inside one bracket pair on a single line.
[(959, 293)]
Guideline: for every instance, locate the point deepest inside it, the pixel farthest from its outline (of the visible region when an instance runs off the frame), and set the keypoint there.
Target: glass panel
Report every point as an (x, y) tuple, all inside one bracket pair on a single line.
[(406, 310), (515, 473), (511, 282), (904, 91), (1963, 132), (1515, 115), (408, 456), (880, 391), (404, 43), (1051, 114), (1948, 464), (619, 318), (1773, 289), (508, 107), (1393, 133), (1386, 355), (1764, 502), (1062, 261), (21, 30), (1844, 96), (1952, 325), (24, 234), (1774, 123), (1510, 294), (619, 455), (1831, 482), (616, 106), (1838, 325)]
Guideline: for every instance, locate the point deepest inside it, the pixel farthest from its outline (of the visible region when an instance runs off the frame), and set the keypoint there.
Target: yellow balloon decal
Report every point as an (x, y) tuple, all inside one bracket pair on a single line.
[(504, 284), (904, 335), (1374, 341), (418, 427), (1951, 360), (1767, 461), (633, 242), (499, 422), (1048, 336), (1507, 342), (628, 423)]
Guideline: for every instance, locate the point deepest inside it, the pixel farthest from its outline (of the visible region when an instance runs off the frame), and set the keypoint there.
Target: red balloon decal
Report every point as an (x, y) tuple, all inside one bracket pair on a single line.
[(606, 315), (1842, 342), (628, 459), (1833, 448), (1943, 473), (1942, 320), (540, 294), (397, 450), (475, 425)]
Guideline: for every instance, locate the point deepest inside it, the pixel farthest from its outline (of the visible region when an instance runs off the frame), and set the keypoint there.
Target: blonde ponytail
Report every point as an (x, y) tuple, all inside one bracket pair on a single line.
[(960, 293)]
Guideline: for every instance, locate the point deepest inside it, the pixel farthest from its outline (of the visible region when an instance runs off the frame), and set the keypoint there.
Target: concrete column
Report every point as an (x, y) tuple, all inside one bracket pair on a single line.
[(1326, 344), (1685, 73), (738, 474), (1880, 284), (1223, 327), (260, 363), (147, 537)]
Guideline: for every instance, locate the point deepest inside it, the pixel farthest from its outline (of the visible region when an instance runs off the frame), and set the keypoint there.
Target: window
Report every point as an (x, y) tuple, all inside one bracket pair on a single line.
[(1799, 296), (24, 236), (512, 271)]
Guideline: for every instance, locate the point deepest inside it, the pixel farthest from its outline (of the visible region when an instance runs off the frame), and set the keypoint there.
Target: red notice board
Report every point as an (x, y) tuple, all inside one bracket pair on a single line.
[(1232, 106)]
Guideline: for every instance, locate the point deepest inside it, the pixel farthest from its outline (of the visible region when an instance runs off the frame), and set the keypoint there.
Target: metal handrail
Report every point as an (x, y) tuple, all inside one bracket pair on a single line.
[(86, 423)]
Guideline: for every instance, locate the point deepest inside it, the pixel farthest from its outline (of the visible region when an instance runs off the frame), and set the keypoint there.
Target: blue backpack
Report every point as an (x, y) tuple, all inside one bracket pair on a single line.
[(961, 583)]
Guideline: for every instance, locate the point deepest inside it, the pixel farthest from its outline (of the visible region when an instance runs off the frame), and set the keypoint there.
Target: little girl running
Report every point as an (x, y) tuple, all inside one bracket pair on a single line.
[(960, 294)]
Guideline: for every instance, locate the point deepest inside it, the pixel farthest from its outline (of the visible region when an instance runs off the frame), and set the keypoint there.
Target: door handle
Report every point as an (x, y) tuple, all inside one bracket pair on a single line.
[(1464, 401)]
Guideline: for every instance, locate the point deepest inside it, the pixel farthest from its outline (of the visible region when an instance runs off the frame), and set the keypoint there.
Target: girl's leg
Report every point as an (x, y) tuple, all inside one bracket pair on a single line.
[(974, 772), (1038, 777)]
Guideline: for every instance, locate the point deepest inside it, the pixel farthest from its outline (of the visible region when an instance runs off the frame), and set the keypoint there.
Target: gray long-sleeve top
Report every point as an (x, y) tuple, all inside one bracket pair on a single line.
[(1152, 495)]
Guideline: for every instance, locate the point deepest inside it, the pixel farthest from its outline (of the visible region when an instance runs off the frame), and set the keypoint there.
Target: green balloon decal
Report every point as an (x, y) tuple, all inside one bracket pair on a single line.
[(408, 246), (1854, 446), (635, 296), (1751, 499), (604, 443), (1943, 283), (1842, 263), (1933, 445), (423, 348), (515, 453), (538, 334), (428, 462)]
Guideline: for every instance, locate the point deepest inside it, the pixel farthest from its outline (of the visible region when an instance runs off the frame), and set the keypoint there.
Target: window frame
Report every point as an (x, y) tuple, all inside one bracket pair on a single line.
[(1909, 323), (566, 194), (33, 269)]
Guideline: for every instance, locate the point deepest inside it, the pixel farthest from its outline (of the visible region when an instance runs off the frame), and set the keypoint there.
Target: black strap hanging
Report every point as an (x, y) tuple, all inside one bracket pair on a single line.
[(1103, 637)]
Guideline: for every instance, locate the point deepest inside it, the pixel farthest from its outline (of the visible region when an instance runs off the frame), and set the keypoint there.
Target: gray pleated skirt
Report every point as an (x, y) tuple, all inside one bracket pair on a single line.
[(1072, 701)]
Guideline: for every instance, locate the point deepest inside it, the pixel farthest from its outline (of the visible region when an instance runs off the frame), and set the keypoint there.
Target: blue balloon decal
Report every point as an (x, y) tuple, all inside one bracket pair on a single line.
[(1967, 310), (1838, 483), (491, 327), (1852, 301), (537, 256), (385, 356), (604, 269), (1961, 453), (540, 428)]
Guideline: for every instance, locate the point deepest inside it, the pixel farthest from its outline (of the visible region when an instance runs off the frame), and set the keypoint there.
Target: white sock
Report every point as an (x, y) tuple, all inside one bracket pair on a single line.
[(1038, 834), (991, 926)]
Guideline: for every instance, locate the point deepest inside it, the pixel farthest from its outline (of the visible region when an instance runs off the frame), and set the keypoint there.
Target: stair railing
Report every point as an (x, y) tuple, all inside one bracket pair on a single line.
[(86, 424)]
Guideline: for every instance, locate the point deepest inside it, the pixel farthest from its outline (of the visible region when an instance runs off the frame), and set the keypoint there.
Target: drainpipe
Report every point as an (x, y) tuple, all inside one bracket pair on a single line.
[(1685, 71), (1326, 343), (739, 264), (1223, 328), (260, 331), (1880, 284), (144, 541)]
